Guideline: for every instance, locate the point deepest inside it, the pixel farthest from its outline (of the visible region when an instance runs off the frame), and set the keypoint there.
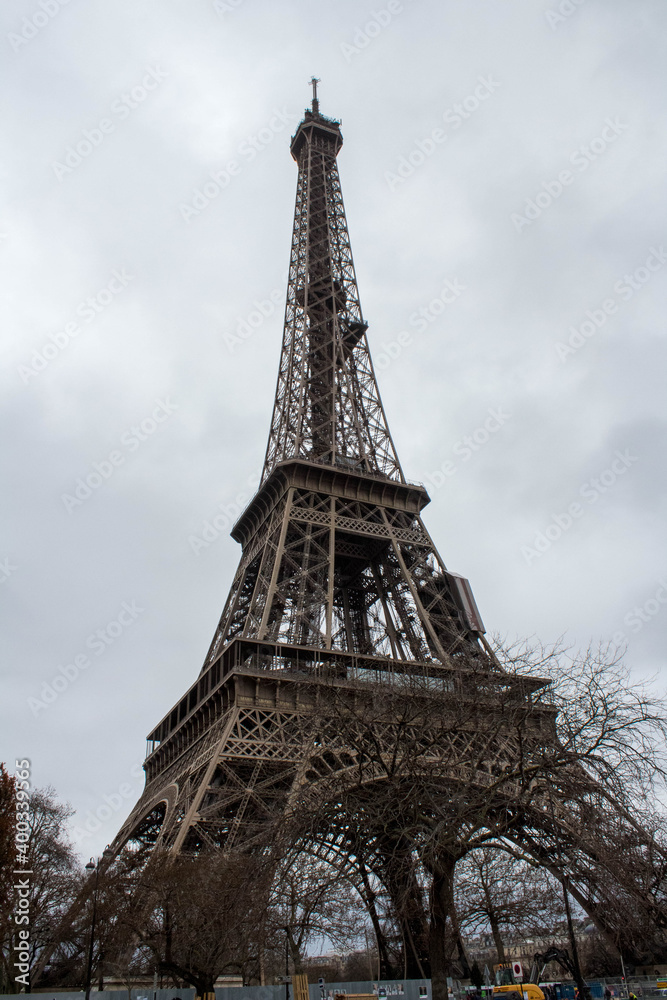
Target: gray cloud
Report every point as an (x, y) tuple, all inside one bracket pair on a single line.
[(193, 283)]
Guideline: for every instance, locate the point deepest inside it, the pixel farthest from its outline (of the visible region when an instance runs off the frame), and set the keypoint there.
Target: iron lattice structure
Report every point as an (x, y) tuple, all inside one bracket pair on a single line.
[(340, 585), (338, 570), (327, 406)]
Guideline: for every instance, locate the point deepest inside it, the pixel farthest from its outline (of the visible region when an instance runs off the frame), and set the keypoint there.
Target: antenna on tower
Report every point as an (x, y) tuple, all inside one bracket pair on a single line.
[(316, 104)]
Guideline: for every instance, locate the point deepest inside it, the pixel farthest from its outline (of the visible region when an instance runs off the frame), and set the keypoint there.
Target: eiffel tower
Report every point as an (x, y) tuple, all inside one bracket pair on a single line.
[(338, 578), (337, 568)]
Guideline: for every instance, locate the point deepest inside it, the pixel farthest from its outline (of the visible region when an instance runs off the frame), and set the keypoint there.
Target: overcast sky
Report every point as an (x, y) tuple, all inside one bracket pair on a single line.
[(503, 175)]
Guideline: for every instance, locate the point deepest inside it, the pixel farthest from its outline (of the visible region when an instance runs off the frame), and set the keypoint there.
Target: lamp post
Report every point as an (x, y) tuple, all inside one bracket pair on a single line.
[(287, 933), (584, 992), (94, 866), (625, 978), (581, 985)]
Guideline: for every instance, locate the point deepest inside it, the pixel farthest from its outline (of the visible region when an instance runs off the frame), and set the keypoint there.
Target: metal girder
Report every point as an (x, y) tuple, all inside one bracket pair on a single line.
[(338, 581), (355, 576), (340, 585), (327, 405), (335, 555)]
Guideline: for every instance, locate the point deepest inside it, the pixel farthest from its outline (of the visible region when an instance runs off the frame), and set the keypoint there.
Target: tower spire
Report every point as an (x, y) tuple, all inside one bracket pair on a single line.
[(316, 104), (327, 407), (359, 575)]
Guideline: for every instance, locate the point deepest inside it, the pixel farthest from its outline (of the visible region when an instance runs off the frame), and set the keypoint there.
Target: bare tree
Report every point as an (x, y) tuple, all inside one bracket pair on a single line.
[(310, 900), (54, 874), (7, 865), (601, 831), (192, 918), (498, 893), (421, 770), (552, 758)]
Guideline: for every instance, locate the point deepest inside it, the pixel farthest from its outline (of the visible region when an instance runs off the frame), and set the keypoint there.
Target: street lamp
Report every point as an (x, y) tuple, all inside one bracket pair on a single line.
[(94, 866), (584, 992), (287, 934)]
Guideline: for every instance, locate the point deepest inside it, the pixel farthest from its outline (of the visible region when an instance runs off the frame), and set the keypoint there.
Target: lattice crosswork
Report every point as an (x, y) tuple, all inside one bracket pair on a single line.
[(269, 762), (337, 560), (333, 573), (327, 406), (341, 593), (323, 571)]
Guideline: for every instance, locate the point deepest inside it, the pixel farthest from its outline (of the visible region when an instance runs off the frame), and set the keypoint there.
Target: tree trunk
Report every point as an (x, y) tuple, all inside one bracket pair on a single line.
[(460, 947), (418, 964), (584, 992), (385, 971), (407, 903), (495, 927), (442, 897), (167, 936), (295, 952), (383, 950), (203, 982)]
